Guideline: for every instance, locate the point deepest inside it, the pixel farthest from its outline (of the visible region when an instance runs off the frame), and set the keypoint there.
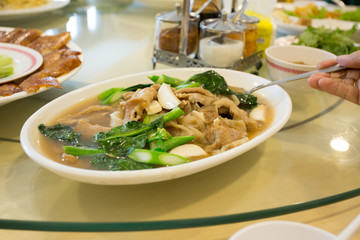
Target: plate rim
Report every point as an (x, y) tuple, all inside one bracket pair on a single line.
[(24, 12), (35, 54), (130, 177)]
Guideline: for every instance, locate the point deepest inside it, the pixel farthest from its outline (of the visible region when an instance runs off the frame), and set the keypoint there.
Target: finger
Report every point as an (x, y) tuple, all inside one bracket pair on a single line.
[(351, 61), (353, 74), (314, 79), (326, 63), (347, 89)]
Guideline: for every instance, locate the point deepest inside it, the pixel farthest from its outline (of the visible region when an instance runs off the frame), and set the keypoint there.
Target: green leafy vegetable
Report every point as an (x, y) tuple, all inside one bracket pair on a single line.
[(336, 41), (351, 15), (61, 133), (106, 162), (122, 146), (82, 151), (216, 84)]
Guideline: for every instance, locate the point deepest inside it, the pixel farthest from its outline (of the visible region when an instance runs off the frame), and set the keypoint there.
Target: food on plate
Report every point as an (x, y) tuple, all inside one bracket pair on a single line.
[(335, 41), (19, 4), (6, 68), (305, 14), (58, 59), (167, 122)]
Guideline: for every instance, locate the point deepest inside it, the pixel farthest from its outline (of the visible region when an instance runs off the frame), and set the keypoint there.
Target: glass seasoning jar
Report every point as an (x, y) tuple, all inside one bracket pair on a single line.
[(251, 33), (168, 31), (210, 11), (221, 42)]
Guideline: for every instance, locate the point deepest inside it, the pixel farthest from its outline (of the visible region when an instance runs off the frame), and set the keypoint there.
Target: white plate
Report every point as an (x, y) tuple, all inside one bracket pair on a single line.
[(7, 99), (281, 230), (25, 60), (11, 14), (295, 29), (274, 95)]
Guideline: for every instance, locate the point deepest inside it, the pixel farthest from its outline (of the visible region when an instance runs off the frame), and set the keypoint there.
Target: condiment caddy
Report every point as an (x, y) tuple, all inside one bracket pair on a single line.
[(181, 41)]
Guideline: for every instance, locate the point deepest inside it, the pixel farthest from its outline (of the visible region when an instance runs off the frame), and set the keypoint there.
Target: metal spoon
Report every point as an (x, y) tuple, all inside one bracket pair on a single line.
[(220, 39), (339, 3), (296, 77)]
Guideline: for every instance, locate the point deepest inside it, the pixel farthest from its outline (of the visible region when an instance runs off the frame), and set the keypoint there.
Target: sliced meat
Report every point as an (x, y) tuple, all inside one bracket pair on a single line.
[(135, 106), (88, 130), (8, 89), (47, 44), (37, 81)]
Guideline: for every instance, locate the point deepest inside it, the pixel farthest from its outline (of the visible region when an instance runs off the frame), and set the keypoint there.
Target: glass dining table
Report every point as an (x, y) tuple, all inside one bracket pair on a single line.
[(308, 172)]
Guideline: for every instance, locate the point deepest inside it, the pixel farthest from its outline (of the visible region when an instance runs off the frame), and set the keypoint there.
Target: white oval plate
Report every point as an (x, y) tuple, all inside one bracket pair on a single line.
[(25, 60), (16, 96), (11, 14), (274, 95)]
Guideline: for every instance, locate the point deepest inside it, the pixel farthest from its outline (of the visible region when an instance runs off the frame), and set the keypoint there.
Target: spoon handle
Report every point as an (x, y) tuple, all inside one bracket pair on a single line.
[(299, 76)]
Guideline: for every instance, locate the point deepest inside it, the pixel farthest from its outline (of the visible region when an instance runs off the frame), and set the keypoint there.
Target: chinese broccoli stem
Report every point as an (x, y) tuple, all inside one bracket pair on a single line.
[(155, 157)]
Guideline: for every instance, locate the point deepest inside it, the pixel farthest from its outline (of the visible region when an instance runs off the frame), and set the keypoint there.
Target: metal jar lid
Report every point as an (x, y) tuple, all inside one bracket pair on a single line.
[(173, 16), (246, 19), (223, 25)]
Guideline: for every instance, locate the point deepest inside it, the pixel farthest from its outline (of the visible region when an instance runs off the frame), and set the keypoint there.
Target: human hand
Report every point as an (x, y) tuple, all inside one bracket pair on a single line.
[(344, 83)]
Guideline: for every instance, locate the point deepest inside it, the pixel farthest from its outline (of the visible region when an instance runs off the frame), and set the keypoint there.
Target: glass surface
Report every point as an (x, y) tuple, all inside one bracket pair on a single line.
[(312, 161)]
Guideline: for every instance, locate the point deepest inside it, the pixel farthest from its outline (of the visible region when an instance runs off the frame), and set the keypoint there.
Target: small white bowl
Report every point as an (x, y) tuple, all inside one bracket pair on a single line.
[(281, 230), (287, 61)]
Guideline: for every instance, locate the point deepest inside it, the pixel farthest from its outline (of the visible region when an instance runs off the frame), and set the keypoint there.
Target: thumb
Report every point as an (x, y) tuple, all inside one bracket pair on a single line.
[(352, 60)]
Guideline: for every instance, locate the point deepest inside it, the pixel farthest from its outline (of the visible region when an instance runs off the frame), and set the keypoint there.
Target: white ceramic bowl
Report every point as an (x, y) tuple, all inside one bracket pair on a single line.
[(287, 61), (281, 230), (29, 136)]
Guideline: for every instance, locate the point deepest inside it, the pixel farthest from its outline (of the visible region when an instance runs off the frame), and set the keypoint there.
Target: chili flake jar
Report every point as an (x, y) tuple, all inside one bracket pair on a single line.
[(168, 32), (251, 33)]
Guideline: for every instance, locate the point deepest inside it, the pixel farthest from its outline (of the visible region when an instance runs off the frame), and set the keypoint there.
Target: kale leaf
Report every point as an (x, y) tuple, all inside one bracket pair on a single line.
[(61, 133), (211, 81), (216, 84), (106, 162), (122, 146)]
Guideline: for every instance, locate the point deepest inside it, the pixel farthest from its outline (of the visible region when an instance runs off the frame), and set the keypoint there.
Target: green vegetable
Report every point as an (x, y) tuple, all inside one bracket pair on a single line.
[(112, 95), (188, 85), (130, 129), (61, 133), (166, 79), (106, 162), (150, 118), (216, 84), (6, 71), (122, 146), (212, 81), (351, 15), (175, 113), (155, 157), (5, 60), (160, 134), (336, 41), (82, 151), (171, 143)]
